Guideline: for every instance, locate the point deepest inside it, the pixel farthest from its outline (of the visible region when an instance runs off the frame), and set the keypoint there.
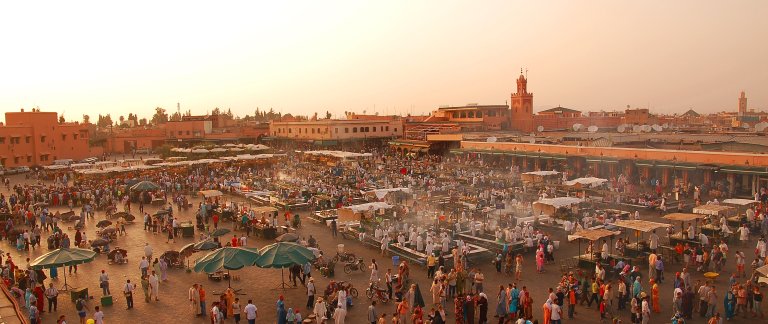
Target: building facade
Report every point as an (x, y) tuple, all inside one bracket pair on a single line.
[(333, 131), (35, 138)]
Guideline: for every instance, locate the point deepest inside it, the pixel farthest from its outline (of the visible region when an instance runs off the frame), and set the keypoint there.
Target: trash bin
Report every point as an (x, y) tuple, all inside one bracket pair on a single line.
[(106, 300), (395, 260), (187, 230)]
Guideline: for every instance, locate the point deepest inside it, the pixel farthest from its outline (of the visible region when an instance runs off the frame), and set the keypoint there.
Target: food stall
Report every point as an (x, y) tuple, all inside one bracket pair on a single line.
[(640, 247), (741, 206), (559, 207), (682, 235), (716, 213), (592, 255), (540, 178)]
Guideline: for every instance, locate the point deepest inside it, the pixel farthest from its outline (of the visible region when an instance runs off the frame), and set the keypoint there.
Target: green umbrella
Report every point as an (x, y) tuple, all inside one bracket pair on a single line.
[(145, 186), (220, 232), (205, 245), (230, 258), (61, 258), (283, 255)]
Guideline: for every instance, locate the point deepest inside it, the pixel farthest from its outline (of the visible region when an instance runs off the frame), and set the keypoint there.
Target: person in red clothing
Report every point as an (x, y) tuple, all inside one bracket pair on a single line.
[(215, 221), (235, 241)]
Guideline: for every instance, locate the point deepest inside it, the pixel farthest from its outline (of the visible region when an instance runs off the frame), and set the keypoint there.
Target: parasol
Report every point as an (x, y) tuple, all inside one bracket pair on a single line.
[(145, 186), (61, 258), (103, 223)]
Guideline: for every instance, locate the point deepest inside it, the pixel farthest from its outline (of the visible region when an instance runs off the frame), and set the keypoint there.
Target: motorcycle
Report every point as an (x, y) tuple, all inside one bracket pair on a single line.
[(354, 266), (374, 292), (344, 257)]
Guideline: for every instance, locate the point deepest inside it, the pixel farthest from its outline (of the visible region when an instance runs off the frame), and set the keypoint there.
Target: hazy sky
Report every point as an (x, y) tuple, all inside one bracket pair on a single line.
[(399, 56)]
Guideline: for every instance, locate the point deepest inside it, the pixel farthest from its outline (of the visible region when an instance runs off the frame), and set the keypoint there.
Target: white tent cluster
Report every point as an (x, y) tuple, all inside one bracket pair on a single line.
[(339, 154), (589, 181), (222, 149)]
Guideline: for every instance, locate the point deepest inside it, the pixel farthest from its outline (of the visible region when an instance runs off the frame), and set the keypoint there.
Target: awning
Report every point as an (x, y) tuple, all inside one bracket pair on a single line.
[(591, 234), (685, 217), (640, 225)]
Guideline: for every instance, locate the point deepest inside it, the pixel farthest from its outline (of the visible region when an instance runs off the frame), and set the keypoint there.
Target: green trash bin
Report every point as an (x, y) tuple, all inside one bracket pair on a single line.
[(187, 230)]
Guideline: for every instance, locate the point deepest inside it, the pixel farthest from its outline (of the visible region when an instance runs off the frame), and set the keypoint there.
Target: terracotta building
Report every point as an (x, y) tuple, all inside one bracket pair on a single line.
[(37, 138), (190, 131), (329, 132)]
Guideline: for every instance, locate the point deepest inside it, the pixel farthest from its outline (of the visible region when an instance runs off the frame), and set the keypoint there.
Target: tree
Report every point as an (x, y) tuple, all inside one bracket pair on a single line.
[(104, 121), (216, 111), (160, 116), (61, 119), (143, 122), (229, 113), (327, 114), (122, 119), (175, 117), (86, 119)]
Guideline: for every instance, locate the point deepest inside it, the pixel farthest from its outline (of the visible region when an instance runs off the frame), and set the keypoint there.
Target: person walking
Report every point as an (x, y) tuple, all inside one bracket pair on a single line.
[(311, 293), (104, 283), (194, 299), (145, 288), (128, 292), (250, 312), (154, 285), (201, 291), (52, 294), (372, 316)]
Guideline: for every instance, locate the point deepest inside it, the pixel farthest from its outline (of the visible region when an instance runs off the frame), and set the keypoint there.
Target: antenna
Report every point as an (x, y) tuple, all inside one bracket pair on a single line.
[(526, 73)]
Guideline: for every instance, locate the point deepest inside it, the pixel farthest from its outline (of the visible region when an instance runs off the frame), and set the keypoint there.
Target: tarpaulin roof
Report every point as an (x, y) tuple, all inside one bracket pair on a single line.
[(740, 202), (591, 234), (711, 209), (559, 201), (640, 225), (683, 216)]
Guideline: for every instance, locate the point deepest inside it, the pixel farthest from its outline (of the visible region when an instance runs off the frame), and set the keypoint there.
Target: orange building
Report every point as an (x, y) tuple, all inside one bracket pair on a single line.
[(191, 130), (37, 138)]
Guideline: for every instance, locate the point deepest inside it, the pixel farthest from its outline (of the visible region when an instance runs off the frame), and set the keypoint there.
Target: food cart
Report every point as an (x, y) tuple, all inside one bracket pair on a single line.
[(681, 236), (716, 213)]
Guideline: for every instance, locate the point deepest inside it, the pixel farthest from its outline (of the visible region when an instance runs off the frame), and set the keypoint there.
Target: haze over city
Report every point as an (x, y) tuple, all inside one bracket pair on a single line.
[(388, 58)]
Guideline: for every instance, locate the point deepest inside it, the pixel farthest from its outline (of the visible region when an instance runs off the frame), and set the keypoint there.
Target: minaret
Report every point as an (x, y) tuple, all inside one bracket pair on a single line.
[(521, 117), (742, 104)]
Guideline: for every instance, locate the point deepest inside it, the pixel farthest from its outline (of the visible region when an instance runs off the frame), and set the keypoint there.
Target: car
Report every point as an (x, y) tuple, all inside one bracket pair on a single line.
[(22, 169), (90, 160), (143, 151)]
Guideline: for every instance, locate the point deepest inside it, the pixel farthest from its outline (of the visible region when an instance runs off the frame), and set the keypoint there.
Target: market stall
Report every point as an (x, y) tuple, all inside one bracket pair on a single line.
[(560, 207), (682, 235), (639, 247), (741, 205), (592, 256), (540, 178)]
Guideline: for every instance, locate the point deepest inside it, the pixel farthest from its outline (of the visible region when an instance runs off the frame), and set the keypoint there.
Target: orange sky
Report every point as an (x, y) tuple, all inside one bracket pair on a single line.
[(385, 57)]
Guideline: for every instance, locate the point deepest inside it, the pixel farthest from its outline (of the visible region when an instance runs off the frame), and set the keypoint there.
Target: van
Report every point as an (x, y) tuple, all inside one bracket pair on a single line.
[(90, 160), (66, 162)]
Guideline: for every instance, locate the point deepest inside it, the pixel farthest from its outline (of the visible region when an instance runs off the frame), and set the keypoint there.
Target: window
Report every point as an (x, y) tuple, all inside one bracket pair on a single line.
[(27, 139), (187, 133), (306, 131), (2, 161), (299, 130), (2, 140), (395, 129), (42, 139), (337, 130), (44, 157), (74, 136), (463, 114), (471, 114), (289, 131), (313, 131), (479, 114), (491, 113), (29, 159), (455, 114), (374, 129), (346, 129), (16, 160), (63, 137), (354, 129)]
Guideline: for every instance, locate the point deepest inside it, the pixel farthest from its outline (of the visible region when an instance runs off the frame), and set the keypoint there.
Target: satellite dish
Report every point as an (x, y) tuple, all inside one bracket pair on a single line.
[(491, 139), (540, 128), (577, 127), (745, 126), (532, 140), (666, 125), (656, 128), (646, 128), (621, 128), (636, 128), (592, 129)]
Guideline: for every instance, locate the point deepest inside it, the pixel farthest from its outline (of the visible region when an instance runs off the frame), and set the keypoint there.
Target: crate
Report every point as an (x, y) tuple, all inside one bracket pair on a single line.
[(106, 300)]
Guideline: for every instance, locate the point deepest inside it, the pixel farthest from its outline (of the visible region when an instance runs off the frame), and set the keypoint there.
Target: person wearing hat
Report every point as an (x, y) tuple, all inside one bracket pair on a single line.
[(310, 292), (339, 314), (320, 310)]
